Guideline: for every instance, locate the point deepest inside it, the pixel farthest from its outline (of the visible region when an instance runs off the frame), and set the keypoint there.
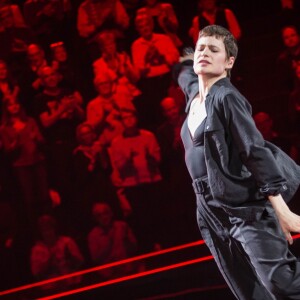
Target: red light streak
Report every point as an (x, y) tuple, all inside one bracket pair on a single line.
[(125, 278), (90, 270)]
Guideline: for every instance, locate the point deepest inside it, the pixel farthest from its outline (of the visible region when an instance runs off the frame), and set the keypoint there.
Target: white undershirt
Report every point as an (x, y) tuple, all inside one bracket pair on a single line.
[(197, 114)]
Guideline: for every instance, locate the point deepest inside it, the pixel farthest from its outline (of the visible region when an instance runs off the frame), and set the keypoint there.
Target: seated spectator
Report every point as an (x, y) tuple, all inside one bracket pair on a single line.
[(164, 17), (103, 112), (10, 13), (8, 86), (111, 240), (135, 158), (54, 255), (153, 54), (95, 16), (48, 19), (91, 173), (63, 65), (265, 125), (22, 140), (288, 59), (59, 111), (15, 36), (209, 13), (28, 76), (117, 62)]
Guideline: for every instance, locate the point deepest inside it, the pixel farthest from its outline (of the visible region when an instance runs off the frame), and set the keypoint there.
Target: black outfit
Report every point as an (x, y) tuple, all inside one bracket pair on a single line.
[(234, 216)]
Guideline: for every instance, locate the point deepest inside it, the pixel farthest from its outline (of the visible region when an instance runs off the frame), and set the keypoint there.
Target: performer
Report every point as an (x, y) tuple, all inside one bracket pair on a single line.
[(239, 179)]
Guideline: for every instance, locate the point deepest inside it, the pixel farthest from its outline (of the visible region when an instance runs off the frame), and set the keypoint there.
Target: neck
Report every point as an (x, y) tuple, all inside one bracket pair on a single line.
[(205, 83)]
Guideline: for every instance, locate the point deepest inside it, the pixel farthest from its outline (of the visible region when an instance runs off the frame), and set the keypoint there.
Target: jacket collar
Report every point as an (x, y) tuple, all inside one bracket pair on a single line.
[(212, 91)]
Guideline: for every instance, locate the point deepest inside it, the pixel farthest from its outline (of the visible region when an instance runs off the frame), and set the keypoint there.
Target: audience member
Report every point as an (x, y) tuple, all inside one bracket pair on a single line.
[(97, 15), (28, 74), (153, 54), (62, 63), (8, 86), (164, 17), (48, 19), (288, 59), (118, 62), (91, 172), (15, 36), (103, 112), (265, 125), (111, 240), (135, 158), (22, 140), (59, 111), (54, 254), (209, 12)]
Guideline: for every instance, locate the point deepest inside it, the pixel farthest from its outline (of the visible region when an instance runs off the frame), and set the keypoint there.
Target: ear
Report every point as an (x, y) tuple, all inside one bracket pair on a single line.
[(230, 62)]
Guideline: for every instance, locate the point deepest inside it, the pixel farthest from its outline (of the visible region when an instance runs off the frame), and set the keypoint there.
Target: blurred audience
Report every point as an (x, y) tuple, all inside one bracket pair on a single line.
[(209, 12), (117, 62), (265, 125), (53, 255), (111, 240), (22, 142), (135, 157), (103, 112), (59, 111), (153, 54), (164, 17)]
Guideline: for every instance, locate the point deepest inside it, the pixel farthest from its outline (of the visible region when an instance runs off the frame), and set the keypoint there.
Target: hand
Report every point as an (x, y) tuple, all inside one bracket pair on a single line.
[(289, 221)]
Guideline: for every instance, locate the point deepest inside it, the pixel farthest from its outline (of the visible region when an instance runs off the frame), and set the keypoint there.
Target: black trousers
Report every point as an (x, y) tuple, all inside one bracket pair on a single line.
[(249, 248)]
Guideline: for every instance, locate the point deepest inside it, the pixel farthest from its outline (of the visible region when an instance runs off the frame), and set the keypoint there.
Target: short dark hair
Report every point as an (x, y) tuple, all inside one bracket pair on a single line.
[(229, 40)]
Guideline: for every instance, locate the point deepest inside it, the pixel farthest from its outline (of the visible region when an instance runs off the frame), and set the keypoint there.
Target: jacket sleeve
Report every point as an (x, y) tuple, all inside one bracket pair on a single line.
[(251, 146), (184, 75)]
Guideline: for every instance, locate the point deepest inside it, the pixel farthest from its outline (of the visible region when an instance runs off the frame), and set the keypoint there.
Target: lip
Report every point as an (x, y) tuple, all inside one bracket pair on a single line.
[(203, 61)]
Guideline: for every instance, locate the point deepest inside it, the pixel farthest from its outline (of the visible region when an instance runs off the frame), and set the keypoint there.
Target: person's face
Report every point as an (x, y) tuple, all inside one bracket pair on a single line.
[(108, 45), (49, 78), (3, 71), (290, 37), (103, 215), (129, 120), (13, 107), (60, 54), (87, 136), (210, 58), (145, 27), (170, 109), (35, 55), (104, 87)]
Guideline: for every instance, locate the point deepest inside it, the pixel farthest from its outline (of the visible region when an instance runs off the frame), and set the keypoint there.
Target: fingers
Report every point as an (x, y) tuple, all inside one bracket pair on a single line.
[(289, 238)]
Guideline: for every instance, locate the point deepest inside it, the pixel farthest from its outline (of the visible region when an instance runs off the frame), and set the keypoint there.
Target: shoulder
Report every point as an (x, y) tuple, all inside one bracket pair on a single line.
[(166, 6), (225, 94), (146, 133)]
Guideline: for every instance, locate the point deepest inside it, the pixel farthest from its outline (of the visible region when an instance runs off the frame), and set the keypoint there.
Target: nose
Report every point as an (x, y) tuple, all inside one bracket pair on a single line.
[(204, 51)]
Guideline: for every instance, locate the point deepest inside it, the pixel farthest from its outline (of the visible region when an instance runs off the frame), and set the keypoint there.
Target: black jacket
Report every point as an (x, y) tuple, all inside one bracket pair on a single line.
[(241, 165)]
